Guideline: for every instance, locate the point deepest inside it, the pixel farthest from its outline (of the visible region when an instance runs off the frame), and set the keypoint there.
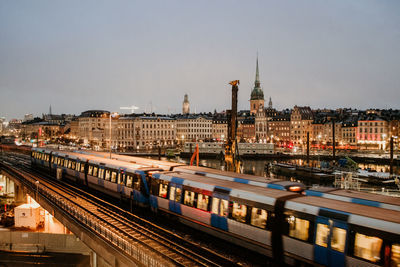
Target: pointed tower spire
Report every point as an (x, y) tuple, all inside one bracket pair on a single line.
[(257, 81)]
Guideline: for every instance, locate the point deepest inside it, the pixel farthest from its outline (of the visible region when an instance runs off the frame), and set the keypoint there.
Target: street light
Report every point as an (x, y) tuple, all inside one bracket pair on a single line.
[(115, 115)]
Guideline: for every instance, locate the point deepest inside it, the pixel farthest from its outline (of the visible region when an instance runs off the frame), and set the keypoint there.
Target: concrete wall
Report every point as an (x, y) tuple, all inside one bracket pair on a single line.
[(17, 240)]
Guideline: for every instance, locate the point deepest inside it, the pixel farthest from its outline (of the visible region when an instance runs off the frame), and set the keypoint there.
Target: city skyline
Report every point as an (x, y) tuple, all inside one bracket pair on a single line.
[(77, 57)]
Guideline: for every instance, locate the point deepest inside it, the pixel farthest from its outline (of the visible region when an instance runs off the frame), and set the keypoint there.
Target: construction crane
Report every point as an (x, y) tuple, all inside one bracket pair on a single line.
[(132, 108), (232, 160)]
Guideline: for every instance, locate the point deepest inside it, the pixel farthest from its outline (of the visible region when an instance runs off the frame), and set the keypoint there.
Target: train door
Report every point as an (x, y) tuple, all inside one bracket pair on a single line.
[(120, 181), (330, 241), (175, 196), (220, 210)]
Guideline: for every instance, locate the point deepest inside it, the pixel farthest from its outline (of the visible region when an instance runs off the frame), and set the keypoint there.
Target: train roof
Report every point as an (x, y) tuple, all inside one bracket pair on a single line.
[(382, 219), (371, 198), (165, 165), (245, 191)]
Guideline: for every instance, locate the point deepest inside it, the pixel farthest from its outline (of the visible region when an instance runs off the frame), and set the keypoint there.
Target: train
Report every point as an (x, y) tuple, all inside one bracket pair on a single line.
[(288, 226), (362, 198)]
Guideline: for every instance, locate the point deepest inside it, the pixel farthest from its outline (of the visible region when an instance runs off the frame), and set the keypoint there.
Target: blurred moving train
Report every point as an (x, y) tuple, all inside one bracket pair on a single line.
[(362, 198), (288, 226)]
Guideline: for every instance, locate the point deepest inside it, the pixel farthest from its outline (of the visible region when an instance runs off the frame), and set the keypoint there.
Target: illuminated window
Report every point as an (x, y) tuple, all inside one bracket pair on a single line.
[(338, 239), (163, 190), (215, 205), (113, 177), (78, 166), (172, 193), (298, 228), (101, 173), (178, 195), (120, 178), (69, 164), (259, 217), (202, 202), (82, 167), (108, 175), (239, 212), (129, 181), (136, 182), (367, 247), (395, 255), (95, 169), (189, 198), (224, 208), (322, 235), (73, 165)]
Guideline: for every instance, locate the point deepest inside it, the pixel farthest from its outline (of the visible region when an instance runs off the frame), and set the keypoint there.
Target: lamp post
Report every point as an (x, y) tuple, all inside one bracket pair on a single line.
[(111, 114)]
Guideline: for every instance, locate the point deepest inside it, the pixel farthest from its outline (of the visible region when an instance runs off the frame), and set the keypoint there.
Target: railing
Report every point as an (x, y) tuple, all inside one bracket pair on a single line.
[(97, 225)]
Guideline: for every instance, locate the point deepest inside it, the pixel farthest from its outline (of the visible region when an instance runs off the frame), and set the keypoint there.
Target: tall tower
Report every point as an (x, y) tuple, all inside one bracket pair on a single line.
[(257, 95), (270, 103), (185, 105)]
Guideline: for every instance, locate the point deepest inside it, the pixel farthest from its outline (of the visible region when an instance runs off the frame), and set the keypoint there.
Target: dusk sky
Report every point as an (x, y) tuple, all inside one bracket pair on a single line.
[(81, 55)]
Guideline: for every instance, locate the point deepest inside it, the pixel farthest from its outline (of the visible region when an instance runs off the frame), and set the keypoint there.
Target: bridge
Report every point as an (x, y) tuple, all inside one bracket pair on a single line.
[(115, 236)]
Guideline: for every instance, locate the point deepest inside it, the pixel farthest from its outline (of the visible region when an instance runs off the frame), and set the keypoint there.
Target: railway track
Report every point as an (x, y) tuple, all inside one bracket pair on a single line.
[(125, 230)]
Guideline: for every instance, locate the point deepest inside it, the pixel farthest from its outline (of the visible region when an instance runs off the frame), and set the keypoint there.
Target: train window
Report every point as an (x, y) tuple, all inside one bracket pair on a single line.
[(338, 239), (78, 166), (215, 205), (69, 164), (65, 163), (322, 235), (163, 190), (224, 208), (298, 228), (113, 176), (202, 202), (52, 160), (90, 170), (178, 195), (129, 180), (367, 247), (189, 198), (172, 193), (136, 182), (395, 255), (82, 167), (62, 162), (108, 175), (259, 217), (95, 171), (101, 173), (47, 157), (73, 165), (239, 212), (120, 178)]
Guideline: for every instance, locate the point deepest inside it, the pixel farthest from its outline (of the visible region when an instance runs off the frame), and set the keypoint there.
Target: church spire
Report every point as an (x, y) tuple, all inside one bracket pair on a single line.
[(257, 81)]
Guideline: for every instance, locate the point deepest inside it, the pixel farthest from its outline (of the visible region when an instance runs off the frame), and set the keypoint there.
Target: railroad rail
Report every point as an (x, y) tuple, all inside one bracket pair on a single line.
[(140, 239)]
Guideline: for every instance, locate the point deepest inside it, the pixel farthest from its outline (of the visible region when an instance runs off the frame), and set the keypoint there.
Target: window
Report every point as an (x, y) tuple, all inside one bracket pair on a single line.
[(90, 170), (136, 182), (73, 165), (202, 202), (172, 193), (189, 198), (367, 247), (101, 173), (120, 178), (129, 180), (113, 176), (322, 235), (259, 217), (338, 239), (163, 190), (69, 164), (82, 167), (239, 212), (108, 175), (78, 166), (95, 171), (178, 194), (298, 228), (395, 255)]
